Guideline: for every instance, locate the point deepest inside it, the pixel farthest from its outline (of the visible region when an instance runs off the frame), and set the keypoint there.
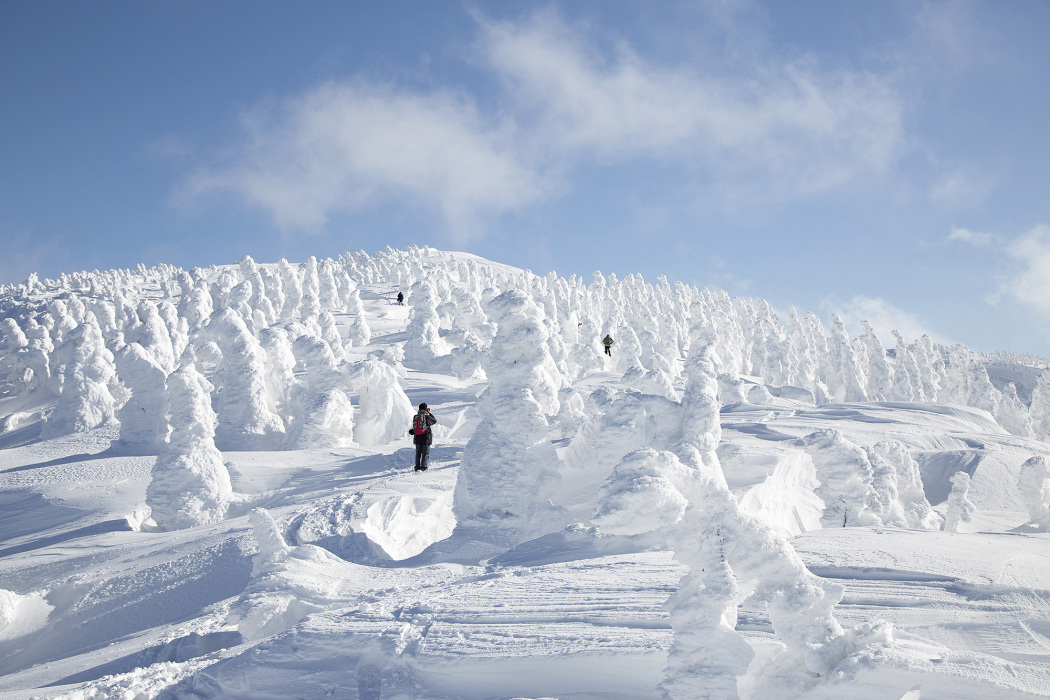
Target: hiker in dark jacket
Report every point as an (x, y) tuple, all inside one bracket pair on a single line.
[(401, 298), (607, 341), (422, 421)]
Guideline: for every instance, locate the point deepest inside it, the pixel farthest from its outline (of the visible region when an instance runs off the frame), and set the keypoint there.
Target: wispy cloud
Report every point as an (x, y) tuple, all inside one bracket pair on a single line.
[(1030, 284), (770, 131), (344, 146), (791, 127), (963, 186), (977, 239), (884, 318)]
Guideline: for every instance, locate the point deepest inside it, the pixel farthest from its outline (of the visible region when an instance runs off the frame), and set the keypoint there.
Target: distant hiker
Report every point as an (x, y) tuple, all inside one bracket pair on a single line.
[(607, 341), (422, 436), (400, 299)]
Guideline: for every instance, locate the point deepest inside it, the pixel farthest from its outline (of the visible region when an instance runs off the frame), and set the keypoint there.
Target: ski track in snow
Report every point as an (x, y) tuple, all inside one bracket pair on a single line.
[(93, 605)]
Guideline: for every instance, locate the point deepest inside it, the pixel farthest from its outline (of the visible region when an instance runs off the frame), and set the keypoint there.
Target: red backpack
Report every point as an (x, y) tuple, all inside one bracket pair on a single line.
[(419, 424)]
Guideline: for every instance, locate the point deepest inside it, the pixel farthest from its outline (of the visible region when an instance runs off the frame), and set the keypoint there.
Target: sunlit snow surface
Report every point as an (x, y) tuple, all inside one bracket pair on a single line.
[(336, 571)]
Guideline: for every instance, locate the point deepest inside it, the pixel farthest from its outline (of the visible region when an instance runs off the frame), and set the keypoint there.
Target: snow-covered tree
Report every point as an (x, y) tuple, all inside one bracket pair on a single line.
[(898, 486), (246, 419), (385, 412), (143, 417), (425, 343), (190, 485), (510, 471), (360, 333), (846, 480), (960, 508), (85, 369), (325, 417), (1034, 485)]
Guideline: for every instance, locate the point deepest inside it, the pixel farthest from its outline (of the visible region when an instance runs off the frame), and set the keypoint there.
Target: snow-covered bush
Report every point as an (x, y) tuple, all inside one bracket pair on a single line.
[(190, 485), (639, 495)]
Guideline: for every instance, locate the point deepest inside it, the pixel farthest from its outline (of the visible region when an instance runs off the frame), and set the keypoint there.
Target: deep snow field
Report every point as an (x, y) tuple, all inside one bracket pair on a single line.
[(727, 507)]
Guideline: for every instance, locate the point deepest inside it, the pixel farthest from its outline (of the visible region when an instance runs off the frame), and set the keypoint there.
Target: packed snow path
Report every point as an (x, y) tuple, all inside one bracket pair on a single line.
[(337, 572)]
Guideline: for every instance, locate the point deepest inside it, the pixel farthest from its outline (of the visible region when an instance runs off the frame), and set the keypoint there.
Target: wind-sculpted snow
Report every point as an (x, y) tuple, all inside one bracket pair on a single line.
[(664, 521), (639, 495)]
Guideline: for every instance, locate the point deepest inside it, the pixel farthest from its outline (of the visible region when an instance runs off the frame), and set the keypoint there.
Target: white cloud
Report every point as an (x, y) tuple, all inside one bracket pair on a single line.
[(949, 37), (341, 147), (961, 186), (975, 238), (789, 128), (1030, 284), (884, 318), (769, 131)]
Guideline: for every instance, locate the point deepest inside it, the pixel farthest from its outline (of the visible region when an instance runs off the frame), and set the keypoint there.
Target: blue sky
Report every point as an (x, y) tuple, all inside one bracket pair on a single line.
[(886, 160)]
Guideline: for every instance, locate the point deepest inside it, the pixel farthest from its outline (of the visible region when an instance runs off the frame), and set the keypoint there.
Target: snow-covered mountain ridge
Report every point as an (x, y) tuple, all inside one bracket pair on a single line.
[(207, 489)]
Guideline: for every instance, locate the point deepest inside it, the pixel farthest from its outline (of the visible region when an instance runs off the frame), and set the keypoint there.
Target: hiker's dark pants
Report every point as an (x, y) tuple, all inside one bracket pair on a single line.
[(608, 350), (422, 455)]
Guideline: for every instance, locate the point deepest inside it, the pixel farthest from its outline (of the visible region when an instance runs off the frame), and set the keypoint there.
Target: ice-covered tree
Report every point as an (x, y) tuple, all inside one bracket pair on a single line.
[(143, 417), (732, 556), (425, 343), (872, 356), (845, 379), (898, 486), (246, 419), (190, 485), (1034, 485), (153, 335), (385, 411), (85, 368), (1039, 410), (846, 480), (510, 471), (360, 333), (324, 415), (24, 363), (960, 508), (1011, 413)]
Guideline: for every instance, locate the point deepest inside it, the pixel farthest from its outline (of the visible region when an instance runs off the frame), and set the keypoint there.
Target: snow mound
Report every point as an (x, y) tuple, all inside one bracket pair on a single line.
[(22, 614), (406, 525)]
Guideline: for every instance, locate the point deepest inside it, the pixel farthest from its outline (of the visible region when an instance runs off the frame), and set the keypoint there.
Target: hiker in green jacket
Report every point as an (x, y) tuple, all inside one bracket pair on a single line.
[(607, 341)]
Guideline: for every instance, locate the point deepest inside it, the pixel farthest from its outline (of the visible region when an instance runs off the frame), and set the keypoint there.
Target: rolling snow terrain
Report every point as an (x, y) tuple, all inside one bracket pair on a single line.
[(207, 491)]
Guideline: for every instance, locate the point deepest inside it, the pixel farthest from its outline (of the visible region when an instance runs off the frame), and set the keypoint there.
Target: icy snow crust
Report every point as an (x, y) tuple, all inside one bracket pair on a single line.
[(206, 491)]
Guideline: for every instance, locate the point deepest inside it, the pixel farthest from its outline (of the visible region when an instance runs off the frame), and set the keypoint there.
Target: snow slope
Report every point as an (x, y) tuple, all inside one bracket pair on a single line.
[(667, 522)]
